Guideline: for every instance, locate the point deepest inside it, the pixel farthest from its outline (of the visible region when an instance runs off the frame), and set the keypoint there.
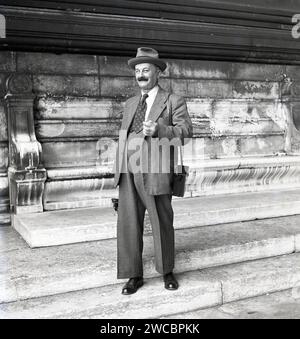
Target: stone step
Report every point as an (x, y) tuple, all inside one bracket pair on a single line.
[(28, 273), (198, 289), (89, 224), (4, 212), (277, 305), (4, 219)]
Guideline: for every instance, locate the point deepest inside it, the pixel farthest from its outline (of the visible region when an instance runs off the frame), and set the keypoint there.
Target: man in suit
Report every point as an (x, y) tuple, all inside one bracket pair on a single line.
[(153, 115)]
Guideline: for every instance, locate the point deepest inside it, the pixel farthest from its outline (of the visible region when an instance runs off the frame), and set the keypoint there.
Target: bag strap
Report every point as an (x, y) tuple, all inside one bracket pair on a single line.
[(171, 123)]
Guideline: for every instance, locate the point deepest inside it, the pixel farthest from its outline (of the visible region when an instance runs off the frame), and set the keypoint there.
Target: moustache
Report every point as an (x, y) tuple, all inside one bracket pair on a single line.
[(142, 79)]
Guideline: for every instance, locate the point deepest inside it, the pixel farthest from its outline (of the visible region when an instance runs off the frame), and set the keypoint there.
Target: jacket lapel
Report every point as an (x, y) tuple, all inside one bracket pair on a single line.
[(158, 105), (156, 109), (131, 109)]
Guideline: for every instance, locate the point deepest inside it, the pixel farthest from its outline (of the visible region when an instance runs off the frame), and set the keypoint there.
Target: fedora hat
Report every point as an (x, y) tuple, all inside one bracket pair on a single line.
[(147, 55)]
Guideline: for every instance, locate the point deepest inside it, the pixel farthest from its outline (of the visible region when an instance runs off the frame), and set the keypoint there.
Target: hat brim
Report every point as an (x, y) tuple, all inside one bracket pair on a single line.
[(144, 59)]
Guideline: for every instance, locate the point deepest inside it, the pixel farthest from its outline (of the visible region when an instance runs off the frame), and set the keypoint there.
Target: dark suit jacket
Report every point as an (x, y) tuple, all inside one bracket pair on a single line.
[(178, 126)]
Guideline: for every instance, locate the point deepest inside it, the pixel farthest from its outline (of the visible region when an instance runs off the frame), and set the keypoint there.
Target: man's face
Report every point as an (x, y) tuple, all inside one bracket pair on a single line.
[(147, 76)]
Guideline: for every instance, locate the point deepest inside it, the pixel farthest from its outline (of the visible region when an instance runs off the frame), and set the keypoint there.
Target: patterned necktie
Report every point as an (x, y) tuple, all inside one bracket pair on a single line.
[(139, 116)]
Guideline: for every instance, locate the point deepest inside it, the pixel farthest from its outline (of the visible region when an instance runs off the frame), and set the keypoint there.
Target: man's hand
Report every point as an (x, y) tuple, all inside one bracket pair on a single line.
[(150, 128)]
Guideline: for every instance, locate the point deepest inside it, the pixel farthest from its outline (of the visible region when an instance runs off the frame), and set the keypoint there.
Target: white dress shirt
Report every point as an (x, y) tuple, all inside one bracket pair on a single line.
[(150, 100)]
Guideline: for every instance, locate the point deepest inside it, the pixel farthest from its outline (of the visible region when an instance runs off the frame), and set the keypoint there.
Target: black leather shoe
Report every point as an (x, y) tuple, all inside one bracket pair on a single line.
[(170, 281), (132, 285)]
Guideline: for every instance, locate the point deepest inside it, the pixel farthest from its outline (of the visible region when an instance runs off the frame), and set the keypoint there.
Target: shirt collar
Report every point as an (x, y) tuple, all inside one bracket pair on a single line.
[(152, 92)]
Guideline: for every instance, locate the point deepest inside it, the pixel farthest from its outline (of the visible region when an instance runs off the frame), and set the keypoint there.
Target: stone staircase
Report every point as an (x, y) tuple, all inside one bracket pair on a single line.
[(215, 264), (90, 224)]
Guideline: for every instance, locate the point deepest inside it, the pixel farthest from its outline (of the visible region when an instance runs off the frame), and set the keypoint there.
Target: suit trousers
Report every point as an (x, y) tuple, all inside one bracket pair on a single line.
[(133, 202)]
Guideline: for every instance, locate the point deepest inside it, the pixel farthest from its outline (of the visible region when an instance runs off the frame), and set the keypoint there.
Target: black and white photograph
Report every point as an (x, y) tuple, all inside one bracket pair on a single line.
[(149, 162)]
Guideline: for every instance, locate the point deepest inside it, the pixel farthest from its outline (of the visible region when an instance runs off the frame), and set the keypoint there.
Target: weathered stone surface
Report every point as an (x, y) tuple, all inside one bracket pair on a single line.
[(293, 72), (3, 124), (215, 147), (45, 63), (295, 89), (208, 175), (94, 192), (245, 206), (278, 305), (255, 89), (4, 215), (114, 66), (8, 291), (244, 71), (7, 61), (199, 69), (180, 87), (11, 240), (233, 175), (77, 128), (70, 154), (3, 156), (117, 66), (107, 302), (114, 87), (268, 145), (255, 278), (198, 289), (61, 269), (209, 88), (5, 219), (236, 127), (66, 85), (78, 108), (3, 185), (199, 108), (59, 227), (3, 77), (236, 117), (248, 111)]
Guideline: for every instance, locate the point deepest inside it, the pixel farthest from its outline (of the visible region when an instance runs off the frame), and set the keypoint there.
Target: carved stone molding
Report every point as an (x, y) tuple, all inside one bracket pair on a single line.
[(233, 176), (26, 172), (200, 31), (286, 86), (19, 84)]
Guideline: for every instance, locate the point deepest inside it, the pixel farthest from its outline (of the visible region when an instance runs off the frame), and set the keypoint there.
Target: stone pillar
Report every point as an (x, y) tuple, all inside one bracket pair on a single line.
[(26, 173), (290, 98), (287, 109)]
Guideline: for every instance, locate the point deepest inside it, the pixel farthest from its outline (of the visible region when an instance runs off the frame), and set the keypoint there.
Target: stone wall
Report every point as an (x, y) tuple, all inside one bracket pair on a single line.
[(238, 114), (7, 65)]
